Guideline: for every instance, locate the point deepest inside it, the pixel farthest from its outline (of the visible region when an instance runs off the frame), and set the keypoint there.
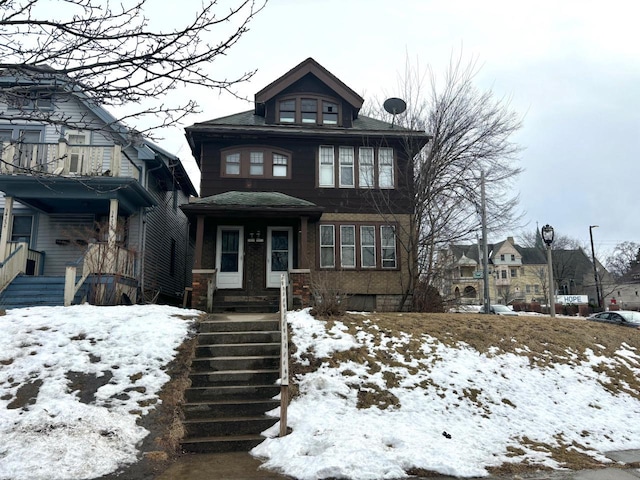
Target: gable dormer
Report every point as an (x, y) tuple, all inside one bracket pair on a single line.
[(308, 95)]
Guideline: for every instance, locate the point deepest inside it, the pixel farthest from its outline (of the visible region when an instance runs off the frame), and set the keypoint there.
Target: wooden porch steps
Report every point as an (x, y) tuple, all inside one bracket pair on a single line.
[(233, 382), (33, 291)]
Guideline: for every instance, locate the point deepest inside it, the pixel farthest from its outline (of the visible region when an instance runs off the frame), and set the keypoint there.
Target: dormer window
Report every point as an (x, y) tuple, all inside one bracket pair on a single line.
[(308, 111), (329, 113)]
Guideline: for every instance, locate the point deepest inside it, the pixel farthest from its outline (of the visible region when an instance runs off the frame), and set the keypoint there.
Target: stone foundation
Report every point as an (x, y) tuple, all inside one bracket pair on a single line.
[(202, 283)]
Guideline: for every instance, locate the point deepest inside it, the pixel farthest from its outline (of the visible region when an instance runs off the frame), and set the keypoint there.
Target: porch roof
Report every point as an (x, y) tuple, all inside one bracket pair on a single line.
[(251, 203), (54, 194)]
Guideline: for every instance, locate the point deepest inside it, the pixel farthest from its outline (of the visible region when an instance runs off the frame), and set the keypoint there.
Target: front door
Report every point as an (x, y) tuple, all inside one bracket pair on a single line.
[(229, 256), (279, 254)]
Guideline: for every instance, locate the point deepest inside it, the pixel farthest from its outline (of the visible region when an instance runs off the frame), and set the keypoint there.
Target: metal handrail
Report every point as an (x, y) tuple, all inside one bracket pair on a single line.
[(284, 356)]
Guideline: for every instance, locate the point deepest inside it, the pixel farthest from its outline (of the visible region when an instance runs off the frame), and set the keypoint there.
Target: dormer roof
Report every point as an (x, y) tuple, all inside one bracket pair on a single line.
[(309, 66)]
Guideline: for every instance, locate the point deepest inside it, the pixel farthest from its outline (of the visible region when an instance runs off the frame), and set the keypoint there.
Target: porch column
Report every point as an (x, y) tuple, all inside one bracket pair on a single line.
[(303, 258), (6, 226), (197, 260), (113, 223)]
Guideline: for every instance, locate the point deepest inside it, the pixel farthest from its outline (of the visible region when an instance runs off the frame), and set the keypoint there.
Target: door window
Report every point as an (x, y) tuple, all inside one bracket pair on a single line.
[(279, 251), (229, 258)]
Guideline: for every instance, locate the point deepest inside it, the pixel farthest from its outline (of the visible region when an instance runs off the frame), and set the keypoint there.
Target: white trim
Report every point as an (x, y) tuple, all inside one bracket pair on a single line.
[(227, 280), (273, 278)]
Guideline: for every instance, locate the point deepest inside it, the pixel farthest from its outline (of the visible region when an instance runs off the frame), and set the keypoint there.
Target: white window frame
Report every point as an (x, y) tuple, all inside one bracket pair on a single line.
[(346, 160), (280, 161), (364, 245), (386, 168), (366, 167), (389, 247), (331, 246), (347, 247), (326, 165)]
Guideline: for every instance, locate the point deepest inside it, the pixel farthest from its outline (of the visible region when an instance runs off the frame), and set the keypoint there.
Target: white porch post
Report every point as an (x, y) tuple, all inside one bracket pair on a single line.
[(113, 223), (6, 227)]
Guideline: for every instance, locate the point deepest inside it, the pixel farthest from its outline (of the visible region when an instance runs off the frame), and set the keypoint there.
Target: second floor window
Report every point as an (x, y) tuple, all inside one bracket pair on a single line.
[(374, 167), (326, 167), (346, 167), (255, 162)]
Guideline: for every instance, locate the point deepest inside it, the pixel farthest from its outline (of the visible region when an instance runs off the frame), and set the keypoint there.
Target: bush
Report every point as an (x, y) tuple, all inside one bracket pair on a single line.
[(426, 298), (328, 295)]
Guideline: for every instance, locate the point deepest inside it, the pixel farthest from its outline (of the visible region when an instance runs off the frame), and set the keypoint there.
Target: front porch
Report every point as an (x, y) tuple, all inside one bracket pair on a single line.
[(244, 242)]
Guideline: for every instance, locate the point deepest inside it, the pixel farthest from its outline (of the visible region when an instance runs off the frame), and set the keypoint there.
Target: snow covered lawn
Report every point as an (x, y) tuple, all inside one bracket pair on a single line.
[(381, 397), (49, 428)]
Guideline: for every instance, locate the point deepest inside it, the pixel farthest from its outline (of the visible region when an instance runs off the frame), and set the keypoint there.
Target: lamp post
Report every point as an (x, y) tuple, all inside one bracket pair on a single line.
[(595, 270), (547, 236)]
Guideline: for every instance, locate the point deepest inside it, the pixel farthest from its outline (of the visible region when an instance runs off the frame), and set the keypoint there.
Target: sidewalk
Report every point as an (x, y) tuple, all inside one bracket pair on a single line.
[(242, 466)]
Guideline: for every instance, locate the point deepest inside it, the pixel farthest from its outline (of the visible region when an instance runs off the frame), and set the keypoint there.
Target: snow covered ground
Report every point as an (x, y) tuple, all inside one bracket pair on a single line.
[(56, 435), (457, 413)]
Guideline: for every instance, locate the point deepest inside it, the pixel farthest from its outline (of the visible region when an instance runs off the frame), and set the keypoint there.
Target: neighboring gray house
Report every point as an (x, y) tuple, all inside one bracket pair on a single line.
[(78, 189)]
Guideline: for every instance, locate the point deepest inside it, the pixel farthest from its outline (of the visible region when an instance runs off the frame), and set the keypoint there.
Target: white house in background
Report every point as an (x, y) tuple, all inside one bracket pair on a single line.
[(86, 198)]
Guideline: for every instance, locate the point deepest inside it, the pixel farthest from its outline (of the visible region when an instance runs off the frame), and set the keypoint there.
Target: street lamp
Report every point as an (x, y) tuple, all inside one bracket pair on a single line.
[(595, 270), (547, 236)]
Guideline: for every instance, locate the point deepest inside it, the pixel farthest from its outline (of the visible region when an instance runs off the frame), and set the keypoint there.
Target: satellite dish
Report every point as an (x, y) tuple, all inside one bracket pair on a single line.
[(394, 106)]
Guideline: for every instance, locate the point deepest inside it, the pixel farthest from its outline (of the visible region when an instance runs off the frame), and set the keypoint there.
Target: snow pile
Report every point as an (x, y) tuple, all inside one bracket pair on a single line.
[(44, 351), (451, 410)]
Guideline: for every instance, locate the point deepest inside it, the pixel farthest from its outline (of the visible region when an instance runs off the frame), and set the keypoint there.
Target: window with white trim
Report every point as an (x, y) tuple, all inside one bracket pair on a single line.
[(346, 167), (368, 246), (365, 167), (279, 165), (327, 246), (388, 246), (385, 168), (326, 167), (348, 246)]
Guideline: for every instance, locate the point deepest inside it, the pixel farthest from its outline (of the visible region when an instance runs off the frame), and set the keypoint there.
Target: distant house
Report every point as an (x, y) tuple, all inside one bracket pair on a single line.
[(80, 190), (295, 186), (625, 292), (517, 274)]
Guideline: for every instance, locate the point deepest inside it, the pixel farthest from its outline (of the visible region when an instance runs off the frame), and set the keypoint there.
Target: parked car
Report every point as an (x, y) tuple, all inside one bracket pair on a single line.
[(500, 310), (626, 318)]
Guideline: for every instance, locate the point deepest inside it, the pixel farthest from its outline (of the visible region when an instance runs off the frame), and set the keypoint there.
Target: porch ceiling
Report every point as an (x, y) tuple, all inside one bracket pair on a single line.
[(53, 194)]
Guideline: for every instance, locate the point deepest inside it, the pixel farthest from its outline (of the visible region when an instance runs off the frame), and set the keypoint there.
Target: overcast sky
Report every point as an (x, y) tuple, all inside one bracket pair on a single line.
[(570, 68)]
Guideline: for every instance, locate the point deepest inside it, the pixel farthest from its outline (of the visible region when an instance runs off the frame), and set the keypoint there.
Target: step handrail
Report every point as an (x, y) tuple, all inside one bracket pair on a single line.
[(284, 356), (13, 265)]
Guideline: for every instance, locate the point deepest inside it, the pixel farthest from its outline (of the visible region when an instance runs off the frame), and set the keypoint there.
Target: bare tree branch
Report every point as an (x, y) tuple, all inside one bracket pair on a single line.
[(110, 53)]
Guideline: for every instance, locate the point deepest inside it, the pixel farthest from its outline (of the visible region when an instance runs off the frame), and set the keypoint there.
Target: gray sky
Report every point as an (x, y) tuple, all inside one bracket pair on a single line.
[(570, 68)]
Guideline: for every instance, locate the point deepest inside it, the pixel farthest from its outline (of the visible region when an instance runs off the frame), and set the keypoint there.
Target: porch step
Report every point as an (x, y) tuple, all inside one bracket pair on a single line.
[(230, 301), (233, 383), (33, 291)]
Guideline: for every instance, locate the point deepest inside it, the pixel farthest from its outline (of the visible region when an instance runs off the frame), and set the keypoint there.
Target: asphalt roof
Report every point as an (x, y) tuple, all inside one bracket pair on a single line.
[(253, 199)]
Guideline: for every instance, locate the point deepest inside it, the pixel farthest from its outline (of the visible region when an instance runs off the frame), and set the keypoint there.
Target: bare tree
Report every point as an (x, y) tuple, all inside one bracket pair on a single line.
[(471, 132), (109, 54), (625, 257)]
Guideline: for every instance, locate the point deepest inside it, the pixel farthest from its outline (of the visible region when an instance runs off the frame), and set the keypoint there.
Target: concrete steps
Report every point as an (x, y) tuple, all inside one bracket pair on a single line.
[(233, 382)]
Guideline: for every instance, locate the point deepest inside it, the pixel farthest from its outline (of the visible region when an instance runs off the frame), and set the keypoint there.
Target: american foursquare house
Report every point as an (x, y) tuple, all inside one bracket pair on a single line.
[(295, 186)]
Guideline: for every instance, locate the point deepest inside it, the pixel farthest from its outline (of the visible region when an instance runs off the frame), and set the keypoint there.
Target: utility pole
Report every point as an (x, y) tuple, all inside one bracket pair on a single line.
[(595, 270), (485, 246)]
